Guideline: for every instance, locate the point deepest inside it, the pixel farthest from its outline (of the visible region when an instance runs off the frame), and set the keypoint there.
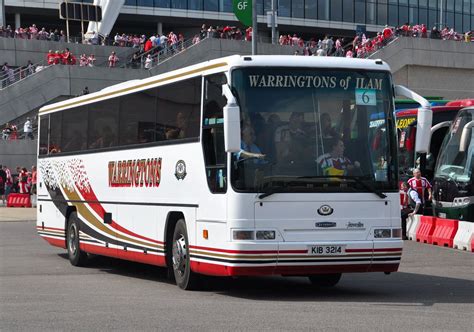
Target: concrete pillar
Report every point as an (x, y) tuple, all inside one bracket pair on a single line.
[(159, 28), (2, 13), (17, 20)]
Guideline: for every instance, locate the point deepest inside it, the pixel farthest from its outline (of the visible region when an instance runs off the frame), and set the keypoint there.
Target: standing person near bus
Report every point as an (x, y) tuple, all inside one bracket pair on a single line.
[(8, 182), (421, 185), (33, 183), (23, 181)]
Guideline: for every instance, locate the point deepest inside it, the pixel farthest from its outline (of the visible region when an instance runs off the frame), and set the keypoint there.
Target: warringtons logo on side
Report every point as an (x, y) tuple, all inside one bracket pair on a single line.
[(180, 170), (325, 210)]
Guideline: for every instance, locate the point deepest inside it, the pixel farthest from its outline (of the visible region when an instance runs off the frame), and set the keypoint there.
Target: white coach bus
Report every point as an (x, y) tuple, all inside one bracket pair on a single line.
[(245, 165)]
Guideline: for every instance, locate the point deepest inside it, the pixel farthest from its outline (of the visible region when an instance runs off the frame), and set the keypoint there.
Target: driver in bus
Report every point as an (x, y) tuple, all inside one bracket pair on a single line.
[(334, 163), (247, 145)]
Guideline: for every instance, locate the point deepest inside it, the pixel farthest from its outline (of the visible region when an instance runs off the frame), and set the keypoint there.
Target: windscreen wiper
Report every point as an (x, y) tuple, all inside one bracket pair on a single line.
[(270, 191), (357, 179)]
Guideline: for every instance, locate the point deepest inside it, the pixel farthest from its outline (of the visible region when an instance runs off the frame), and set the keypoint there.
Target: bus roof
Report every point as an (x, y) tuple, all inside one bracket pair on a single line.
[(218, 65)]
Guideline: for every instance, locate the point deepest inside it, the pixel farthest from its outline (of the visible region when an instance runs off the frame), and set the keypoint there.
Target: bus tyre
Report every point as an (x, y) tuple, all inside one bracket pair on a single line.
[(77, 257), (325, 280), (185, 278)]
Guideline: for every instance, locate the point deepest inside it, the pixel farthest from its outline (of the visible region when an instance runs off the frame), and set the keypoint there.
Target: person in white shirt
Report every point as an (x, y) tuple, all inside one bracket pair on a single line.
[(148, 62), (28, 129)]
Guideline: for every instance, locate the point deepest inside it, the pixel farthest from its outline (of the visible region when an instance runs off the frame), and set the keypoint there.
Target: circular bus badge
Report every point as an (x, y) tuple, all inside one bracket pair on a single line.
[(325, 210), (180, 170)]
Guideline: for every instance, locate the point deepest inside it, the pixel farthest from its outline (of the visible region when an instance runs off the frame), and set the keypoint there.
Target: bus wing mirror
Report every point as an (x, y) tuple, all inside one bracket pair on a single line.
[(231, 121), (465, 136), (424, 118)]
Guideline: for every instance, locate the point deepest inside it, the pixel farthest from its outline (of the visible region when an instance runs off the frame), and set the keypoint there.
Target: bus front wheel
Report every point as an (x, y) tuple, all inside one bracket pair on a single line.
[(325, 280), (77, 257), (185, 278)]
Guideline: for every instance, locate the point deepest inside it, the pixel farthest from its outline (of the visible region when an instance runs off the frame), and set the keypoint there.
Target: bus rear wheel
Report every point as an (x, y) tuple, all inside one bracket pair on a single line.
[(185, 278), (325, 280), (77, 257)]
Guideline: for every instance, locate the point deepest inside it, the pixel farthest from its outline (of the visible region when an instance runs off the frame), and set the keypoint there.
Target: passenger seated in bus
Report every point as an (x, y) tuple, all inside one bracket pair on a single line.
[(180, 130), (288, 138), (334, 163), (248, 147), (106, 139)]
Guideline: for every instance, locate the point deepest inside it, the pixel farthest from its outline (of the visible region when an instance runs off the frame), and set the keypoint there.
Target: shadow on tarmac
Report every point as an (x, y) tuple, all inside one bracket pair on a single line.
[(397, 289)]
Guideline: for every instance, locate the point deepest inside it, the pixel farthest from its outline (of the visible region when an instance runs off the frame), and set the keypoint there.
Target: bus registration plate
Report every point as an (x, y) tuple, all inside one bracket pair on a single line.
[(326, 250)]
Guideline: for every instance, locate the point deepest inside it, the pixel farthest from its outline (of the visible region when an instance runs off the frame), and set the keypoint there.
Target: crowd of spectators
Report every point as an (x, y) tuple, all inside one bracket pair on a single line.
[(362, 46), (32, 32), (22, 181)]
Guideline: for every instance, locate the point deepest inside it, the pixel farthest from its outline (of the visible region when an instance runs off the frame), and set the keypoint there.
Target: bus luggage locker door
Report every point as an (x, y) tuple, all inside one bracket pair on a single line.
[(137, 234)]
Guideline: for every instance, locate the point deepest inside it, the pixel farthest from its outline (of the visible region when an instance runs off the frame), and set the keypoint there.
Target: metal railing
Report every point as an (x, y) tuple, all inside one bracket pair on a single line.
[(158, 54), (18, 74)]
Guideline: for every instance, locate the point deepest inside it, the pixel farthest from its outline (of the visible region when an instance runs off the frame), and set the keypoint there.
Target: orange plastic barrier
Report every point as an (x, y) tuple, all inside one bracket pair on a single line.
[(425, 231), (444, 232), (19, 200)]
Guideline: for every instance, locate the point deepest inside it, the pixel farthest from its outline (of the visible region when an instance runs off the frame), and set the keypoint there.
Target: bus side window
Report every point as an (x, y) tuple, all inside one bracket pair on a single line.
[(103, 124), (44, 134), (213, 134)]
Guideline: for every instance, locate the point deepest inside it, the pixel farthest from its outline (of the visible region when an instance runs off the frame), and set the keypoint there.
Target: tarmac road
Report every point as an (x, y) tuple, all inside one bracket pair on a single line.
[(40, 290)]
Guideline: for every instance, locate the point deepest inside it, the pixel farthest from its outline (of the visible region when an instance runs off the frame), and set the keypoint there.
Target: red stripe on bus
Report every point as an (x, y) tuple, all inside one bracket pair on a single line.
[(55, 242), (133, 256), (97, 207)]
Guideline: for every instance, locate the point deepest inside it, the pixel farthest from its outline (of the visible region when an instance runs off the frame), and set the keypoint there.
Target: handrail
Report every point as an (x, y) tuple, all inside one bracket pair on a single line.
[(20, 73)]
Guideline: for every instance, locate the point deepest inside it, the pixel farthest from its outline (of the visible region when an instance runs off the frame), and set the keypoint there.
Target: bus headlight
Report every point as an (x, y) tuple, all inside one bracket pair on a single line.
[(243, 235), (265, 235), (462, 201), (382, 233)]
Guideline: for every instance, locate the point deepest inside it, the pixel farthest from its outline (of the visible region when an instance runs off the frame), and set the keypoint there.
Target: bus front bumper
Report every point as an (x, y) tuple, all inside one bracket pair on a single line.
[(297, 259)]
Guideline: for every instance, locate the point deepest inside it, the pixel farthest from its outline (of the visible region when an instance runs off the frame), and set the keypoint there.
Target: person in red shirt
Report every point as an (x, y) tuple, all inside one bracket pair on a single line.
[(424, 31), (50, 57), (57, 58), (387, 32), (148, 45), (421, 185), (113, 59), (23, 181)]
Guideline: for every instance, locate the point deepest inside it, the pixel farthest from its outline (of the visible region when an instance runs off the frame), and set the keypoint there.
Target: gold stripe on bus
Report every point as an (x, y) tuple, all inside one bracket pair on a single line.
[(89, 217), (161, 80)]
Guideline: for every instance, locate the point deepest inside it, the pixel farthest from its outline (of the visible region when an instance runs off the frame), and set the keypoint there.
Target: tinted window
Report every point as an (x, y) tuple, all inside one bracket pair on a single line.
[(74, 129), (103, 124), (55, 133), (137, 118), (44, 131), (179, 110)]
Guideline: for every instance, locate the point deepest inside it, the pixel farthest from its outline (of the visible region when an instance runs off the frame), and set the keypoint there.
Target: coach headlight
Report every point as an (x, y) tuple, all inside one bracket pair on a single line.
[(462, 201), (243, 235), (382, 233), (265, 235)]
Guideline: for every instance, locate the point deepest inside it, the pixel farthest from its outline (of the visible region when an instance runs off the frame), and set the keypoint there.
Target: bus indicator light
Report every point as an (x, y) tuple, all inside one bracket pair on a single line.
[(205, 234)]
